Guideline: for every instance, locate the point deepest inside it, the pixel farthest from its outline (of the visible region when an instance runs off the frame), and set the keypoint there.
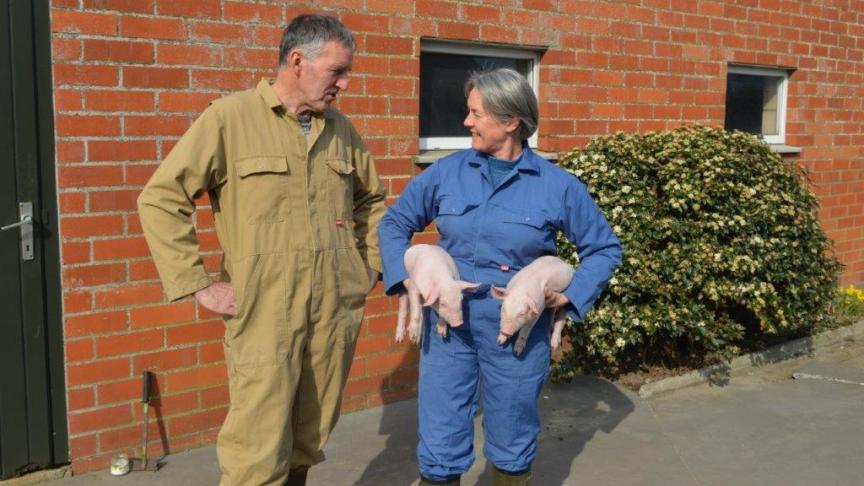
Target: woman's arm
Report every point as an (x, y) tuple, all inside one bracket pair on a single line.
[(412, 212)]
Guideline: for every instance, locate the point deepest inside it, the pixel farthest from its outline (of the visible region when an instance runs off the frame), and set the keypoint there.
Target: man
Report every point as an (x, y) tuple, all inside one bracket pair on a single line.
[(296, 201)]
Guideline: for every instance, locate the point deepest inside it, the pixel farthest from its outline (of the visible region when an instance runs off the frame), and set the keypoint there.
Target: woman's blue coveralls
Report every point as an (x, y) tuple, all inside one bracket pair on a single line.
[(491, 233)]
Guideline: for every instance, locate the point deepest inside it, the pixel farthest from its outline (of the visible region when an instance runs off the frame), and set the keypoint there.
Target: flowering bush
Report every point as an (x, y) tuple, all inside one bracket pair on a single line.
[(849, 306), (722, 249)]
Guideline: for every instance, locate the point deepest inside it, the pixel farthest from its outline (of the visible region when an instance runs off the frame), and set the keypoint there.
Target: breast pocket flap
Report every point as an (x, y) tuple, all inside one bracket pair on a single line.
[(534, 219), (454, 206), (262, 165), (340, 166)]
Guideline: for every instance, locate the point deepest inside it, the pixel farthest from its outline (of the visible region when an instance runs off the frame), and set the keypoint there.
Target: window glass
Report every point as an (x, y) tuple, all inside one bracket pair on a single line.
[(442, 79), (753, 104)]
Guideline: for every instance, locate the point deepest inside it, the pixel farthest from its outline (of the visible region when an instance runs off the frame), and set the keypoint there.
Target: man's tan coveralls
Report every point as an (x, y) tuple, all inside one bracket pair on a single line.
[(297, 220)]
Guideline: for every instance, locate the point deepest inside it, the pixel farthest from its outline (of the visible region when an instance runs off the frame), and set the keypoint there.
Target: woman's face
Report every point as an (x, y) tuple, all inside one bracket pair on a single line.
[(488, 134)]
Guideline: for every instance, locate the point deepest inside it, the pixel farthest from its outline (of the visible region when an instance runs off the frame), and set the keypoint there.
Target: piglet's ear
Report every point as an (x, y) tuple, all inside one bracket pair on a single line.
[(499, 292), (432, 296), (532, 308), (467, 286)]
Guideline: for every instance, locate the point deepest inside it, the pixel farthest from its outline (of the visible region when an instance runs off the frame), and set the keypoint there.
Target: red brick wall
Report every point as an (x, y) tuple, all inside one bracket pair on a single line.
[(131, 75)]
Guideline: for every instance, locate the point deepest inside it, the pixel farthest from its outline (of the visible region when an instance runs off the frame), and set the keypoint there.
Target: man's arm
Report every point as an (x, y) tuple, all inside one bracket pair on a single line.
[(369, 207), (166, 204)]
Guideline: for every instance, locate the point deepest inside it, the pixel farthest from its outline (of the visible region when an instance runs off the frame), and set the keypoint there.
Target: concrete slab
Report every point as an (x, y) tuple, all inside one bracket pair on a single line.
[(760, 427)]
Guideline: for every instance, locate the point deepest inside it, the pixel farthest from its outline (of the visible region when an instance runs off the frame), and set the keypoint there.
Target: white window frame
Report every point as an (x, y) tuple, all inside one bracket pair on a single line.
[(782, 91), (464, 49)]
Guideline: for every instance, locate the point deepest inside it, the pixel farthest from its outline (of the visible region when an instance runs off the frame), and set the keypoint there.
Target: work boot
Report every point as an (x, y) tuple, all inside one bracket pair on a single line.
[(297, 477), (504, 478), (429, 482)]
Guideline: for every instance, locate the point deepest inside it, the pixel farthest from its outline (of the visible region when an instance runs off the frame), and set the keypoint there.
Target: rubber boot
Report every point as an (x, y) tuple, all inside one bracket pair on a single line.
[(297, 477), (504, 478), (428, 482)]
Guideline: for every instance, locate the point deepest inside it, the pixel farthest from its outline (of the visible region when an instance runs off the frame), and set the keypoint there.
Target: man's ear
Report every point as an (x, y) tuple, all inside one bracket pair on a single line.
[(295, 57)]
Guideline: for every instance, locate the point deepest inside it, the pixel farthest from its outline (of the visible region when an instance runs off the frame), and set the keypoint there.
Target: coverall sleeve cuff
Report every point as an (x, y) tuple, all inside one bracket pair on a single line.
[(186, 287), (393, 279), (576, 307)]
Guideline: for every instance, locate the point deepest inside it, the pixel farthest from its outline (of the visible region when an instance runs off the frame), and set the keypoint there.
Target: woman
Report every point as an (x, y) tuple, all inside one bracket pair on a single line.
[(497, 207)]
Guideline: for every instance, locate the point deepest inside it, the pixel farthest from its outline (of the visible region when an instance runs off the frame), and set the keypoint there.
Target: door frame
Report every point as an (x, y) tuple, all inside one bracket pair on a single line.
[(29, 37)]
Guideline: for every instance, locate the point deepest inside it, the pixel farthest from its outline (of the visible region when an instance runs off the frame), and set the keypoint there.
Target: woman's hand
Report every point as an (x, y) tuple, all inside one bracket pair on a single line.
[(554, 299)]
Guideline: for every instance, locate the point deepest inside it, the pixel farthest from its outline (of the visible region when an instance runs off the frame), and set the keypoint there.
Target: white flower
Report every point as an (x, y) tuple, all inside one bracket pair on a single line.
[(620, 342)]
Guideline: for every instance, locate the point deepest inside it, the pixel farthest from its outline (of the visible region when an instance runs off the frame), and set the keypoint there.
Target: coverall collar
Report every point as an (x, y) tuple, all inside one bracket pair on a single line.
[(265, 90), (527, 163)]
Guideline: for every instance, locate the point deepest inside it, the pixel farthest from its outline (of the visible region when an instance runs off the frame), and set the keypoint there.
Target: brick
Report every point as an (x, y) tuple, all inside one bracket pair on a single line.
[(389, 86), (76, 252), (67, 100), (189, 8), (155, 77), (215, 397), (157, 125), (70, 151), (96, 323), (120, 151), (243, 57), (76, 302), (80, 398), (99, 419), (220, 33), (390, 361), (211, 353), (63, 49), (85, 75), (120, 101), (162, 314), (126, 437), (144, 270), (390, 6), (138, 6), (481, 13), (89, 176), (223, 80), (454, 30), (197, 421), (98, 371), (164, 360), (184, 54), (203, 377), (82, 446), (366, 385), (86, 125), (373, 344), (128, 296), (152, 28), (436, 8), (83, 23), (196, 333), (120, 249), (120, 391), (366, 23), (175, 404), (92, 275), (185, 102), (393, 46), (118, 51), (79, 350), (129, 343), (245, 12), (139, 174)]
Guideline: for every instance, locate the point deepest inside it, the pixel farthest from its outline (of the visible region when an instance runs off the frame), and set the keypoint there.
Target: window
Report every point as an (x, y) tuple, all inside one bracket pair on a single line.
[(756, 102), (444, 68)]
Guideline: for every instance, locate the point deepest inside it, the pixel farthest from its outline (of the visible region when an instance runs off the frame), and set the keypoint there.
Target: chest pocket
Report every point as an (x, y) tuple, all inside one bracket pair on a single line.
[(262, 188), (522, 234), (340, 187)]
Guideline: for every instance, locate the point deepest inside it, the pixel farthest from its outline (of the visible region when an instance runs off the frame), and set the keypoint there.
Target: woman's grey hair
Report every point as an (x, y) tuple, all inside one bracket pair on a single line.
[(506, 94), (310, 32)]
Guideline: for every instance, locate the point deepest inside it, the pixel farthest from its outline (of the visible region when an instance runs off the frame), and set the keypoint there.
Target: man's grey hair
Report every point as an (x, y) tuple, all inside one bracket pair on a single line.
[(506, 94), (309, 32)]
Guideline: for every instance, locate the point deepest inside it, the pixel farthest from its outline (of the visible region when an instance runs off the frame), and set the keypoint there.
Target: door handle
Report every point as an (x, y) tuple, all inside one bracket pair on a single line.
[(25, 213)]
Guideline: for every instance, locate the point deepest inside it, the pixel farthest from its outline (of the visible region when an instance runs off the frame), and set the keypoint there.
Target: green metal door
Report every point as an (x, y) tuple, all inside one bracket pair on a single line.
[(32, 405)]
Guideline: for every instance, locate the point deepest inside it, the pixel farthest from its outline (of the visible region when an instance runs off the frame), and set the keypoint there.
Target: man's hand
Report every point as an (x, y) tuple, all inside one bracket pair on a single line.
[(554, 299), (219, 298), (373, 278)]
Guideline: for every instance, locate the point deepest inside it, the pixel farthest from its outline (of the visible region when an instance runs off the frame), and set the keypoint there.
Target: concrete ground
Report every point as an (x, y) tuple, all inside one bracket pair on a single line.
[(760, 427)]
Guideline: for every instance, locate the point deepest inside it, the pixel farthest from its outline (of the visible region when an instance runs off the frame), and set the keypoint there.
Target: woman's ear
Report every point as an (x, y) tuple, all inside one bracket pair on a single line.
[(512, 125)]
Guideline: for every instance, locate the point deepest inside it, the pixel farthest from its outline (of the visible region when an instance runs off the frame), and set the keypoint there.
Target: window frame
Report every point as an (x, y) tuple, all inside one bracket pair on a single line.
[(489, 50), (782, 95)]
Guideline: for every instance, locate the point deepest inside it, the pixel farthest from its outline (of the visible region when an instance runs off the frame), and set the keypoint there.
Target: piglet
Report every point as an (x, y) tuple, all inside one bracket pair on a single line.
[(524, 300), (435, 278)]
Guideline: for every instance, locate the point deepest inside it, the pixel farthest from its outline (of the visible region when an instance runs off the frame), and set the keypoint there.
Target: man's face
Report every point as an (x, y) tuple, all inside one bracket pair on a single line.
[(323, 77)]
